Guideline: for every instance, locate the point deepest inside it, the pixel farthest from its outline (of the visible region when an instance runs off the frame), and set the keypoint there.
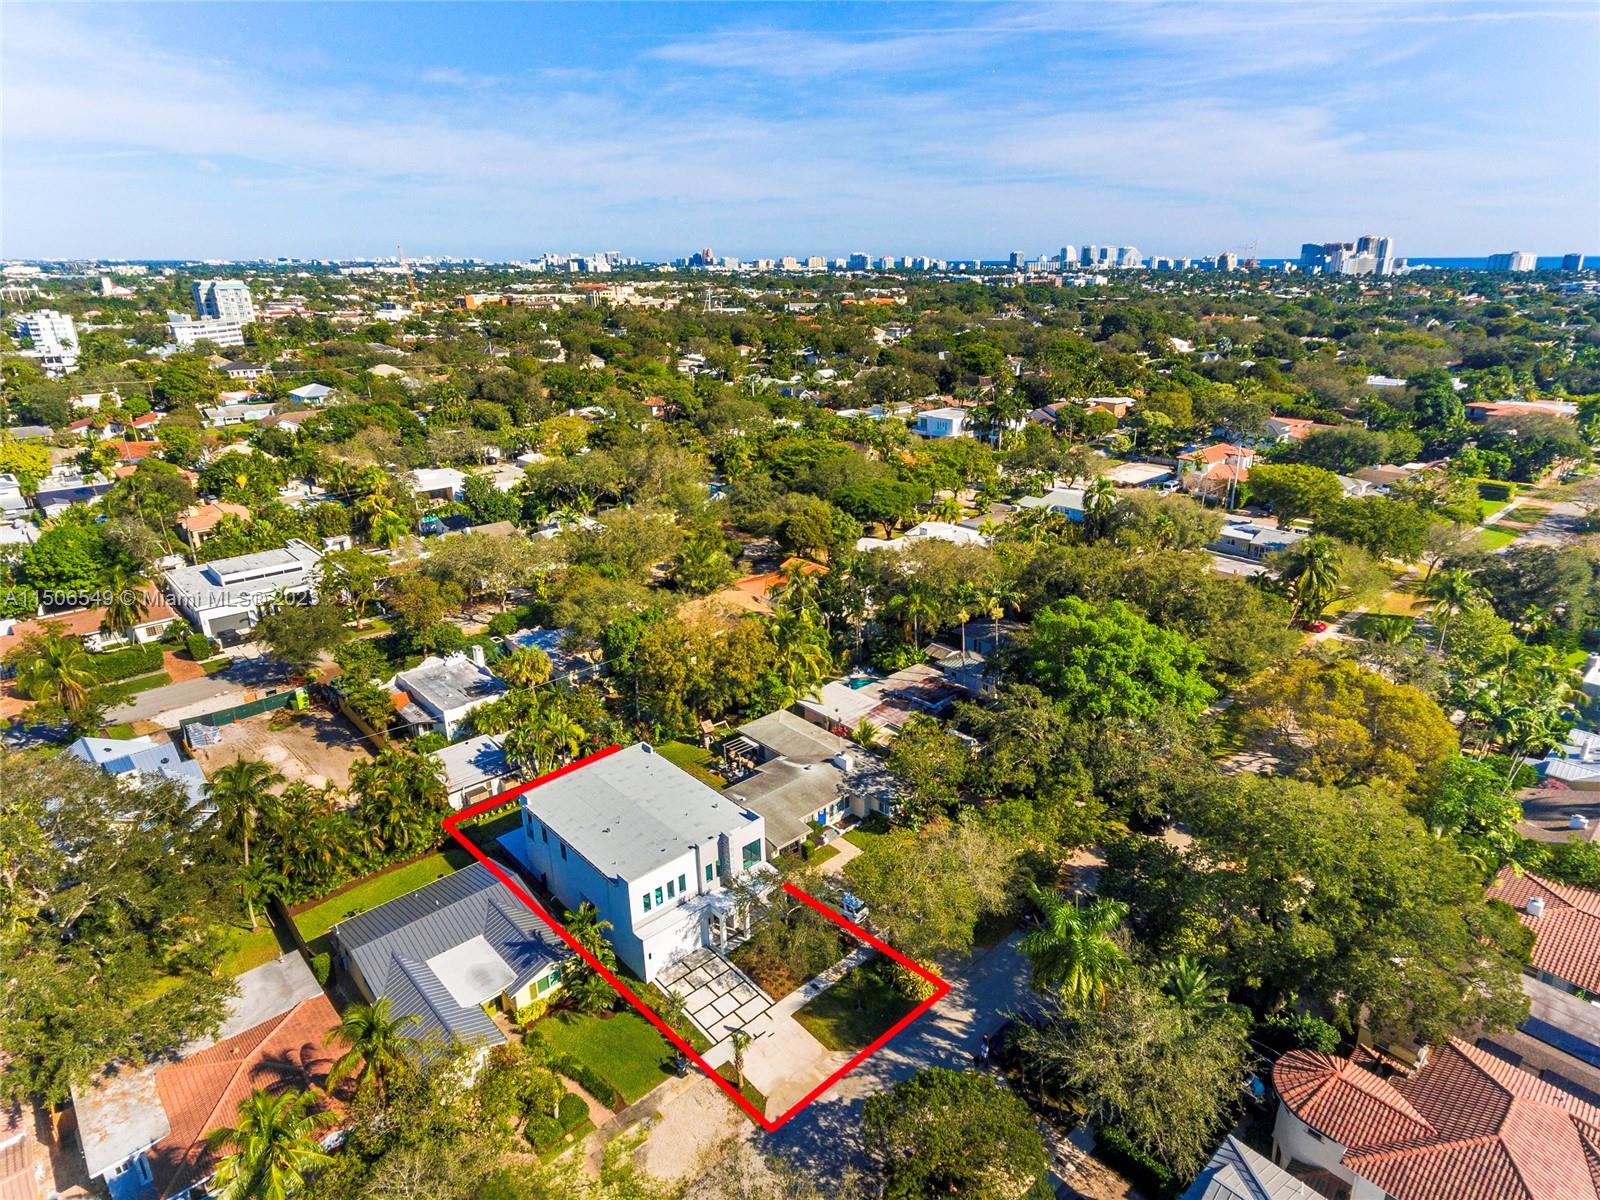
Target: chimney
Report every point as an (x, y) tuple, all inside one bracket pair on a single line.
[(476, 652), (1535, 906)]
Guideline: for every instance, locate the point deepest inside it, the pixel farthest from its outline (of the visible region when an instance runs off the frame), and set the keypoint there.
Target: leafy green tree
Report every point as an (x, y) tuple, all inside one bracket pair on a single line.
[(377, 1045), (1293, 491), (353, 578), (1073, 950), (273, 1147), (1109, 662), (953, 1133), (299, 634), (1474, 802), (69, 559), (933, 764), (1379, 525)]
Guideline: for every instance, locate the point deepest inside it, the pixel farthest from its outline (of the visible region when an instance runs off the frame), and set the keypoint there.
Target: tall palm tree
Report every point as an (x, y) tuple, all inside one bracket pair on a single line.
[(57, 669), (128, 605), (273, 1147), (377, 1045), (1099, 502), (1452, 592), (1072, 949), (241, 794), (1312, 576), (914, 605), (525, 667)]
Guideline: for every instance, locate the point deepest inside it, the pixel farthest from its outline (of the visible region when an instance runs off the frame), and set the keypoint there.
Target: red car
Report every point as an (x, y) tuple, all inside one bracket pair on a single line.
[(1314, 626)]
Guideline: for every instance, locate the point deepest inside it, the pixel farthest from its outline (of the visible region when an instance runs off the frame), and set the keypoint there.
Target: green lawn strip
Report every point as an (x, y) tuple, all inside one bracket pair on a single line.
[(377, 889), (1492, 537), (867, 834), (621, 1047), (653, 996), (1487, 508), (748, 1090), (116, 693), (694, 759), (821, 854), (252, 949), (857, 1009), (212, 666)]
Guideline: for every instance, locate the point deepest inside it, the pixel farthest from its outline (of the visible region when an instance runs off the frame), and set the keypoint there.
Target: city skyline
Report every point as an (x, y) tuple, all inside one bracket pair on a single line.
[(501, 131)]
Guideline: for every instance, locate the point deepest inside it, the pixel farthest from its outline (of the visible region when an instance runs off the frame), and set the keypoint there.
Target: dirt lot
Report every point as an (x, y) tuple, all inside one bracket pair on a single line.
[(316, 746)]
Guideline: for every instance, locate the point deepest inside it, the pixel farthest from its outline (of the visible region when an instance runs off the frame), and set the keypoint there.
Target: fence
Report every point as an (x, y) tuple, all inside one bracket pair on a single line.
[(241, 712)]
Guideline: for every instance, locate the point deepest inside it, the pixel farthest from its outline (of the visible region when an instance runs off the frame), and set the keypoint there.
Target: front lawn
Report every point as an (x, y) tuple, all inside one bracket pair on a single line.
[(1493, 537), (378, 889), (857, 1009), (868, 833), (749, 1090), (622, 1048), (694, 759)]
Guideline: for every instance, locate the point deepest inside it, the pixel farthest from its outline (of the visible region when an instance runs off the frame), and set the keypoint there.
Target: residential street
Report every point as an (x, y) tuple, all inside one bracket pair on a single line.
[(169, 705)]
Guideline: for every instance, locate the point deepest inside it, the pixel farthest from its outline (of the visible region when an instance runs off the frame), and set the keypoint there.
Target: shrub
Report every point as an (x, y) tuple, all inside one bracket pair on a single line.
[(1300, 1031), (911, 985), (542, 1131), (1496, 489), (127, 662), (571, 1111), (580, 1074), (322, 967), (198, 646), (502, 624), (533, 1010), (1150, 1174)]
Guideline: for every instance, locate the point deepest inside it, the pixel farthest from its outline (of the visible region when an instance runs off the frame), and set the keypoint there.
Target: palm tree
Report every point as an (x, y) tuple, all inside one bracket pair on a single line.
[(525, 667), (673, 1009), (866, 734), (1192, 986), (1072, 949), (1452, 592), (740, 1040), (274, 1146), (914, 605), (1099, 502), (1312, 576), (241, 794), (947, 509), (128, 605), (56, 669), (377, 1045)]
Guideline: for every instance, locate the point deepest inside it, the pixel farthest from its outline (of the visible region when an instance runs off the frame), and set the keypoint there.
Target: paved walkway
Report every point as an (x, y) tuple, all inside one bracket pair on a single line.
[(717, 995), (847, 850)]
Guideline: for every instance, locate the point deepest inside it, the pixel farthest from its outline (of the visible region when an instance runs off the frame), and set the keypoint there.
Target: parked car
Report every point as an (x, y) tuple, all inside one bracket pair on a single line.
[(1314, 626)]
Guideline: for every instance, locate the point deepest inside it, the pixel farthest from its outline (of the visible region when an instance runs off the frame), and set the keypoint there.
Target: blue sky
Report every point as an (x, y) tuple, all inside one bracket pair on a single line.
[(233, 130)]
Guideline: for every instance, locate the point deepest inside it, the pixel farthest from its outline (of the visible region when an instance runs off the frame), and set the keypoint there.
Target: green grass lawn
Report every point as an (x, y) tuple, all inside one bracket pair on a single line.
[(652, 995), (868, 833), (622, 1048), (252, 949), (855, 1010), (821, 854), (313, 923), (1492, 537), (694, 759), (1487, 508), (748, 1090)]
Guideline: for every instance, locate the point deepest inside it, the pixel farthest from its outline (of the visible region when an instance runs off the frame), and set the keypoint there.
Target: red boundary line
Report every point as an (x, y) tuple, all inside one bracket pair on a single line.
[(941, 989)]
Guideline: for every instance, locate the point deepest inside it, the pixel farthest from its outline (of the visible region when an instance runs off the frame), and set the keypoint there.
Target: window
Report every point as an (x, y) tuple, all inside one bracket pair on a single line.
[(671, 890), (659, 898), (544, 833), (563, 852), (752, 854), (683, 883), (647, 902), (549, 981), (711, 873)]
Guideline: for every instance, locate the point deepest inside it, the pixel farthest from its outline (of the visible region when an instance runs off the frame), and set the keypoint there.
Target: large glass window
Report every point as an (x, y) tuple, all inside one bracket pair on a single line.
[(660, 899), (752, 854), (647, 902), (711, 873), (683, 883)]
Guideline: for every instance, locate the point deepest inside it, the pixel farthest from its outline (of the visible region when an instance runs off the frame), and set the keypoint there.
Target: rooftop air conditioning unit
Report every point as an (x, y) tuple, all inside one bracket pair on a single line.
[(1535, 906)]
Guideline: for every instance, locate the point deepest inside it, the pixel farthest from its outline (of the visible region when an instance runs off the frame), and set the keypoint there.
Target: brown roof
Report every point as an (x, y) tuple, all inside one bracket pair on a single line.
[(1566, 940), (80, 622), (203, 1092), (200, 518), (1466, 1126), (22, 1155)]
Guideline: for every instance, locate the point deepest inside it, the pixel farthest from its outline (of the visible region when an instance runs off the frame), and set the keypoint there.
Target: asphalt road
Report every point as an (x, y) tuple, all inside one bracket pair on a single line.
[(170, 704)]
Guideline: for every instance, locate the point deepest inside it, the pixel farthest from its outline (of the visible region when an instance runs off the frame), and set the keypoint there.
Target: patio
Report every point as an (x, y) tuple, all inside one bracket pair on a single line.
[(718, 996)]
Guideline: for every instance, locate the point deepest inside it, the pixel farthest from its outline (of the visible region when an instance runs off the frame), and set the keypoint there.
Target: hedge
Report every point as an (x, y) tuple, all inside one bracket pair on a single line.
[(126, 663), (545, 1132), (118, 693), (321, 967), (580, 1074), (198, 646), (1150, 1175), (1496, 489)]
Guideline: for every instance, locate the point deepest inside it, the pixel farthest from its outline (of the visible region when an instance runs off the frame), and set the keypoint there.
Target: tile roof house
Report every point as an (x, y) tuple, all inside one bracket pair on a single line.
[(449, 948), (1465, 1125), (89, 624), (197, 521), (143, 1129), (24, 1159), (1566, 926)]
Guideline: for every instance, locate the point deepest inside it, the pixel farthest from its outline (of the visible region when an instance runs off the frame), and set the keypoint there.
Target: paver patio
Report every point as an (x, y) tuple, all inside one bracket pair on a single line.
[(719, 996)]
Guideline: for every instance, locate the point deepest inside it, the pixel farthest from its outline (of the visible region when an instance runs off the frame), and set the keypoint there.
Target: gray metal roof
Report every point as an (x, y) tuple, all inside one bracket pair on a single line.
[(629, 812), (1237, 1172), (471, 762), (793, 737), (393, 943)]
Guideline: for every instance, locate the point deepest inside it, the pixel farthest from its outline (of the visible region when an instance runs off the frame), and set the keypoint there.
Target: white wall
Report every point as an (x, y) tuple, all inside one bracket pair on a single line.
[(1293, 1139)]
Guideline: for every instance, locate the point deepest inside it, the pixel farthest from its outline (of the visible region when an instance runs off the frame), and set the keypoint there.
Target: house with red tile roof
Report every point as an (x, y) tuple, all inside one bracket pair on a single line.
[(143, 1129), (197, 521), (1566, 928), (1464, 1125), (89, 625), (24, 1159)]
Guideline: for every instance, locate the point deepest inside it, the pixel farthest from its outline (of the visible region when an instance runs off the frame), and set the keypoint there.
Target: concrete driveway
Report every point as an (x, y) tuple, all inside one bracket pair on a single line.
[(170, 705)]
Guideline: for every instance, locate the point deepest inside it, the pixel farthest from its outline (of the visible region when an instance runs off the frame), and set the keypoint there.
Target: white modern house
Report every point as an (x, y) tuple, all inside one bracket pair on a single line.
[(227, 596), (652, 848), (942, 423), (438, 694)]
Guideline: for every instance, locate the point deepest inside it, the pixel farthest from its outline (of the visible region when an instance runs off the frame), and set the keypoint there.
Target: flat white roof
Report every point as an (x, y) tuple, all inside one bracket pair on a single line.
[(472, 972)]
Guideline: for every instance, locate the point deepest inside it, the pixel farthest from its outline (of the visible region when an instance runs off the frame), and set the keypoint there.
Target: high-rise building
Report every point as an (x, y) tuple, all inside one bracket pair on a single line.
[(54, 338), (1227, 261), (1016, 260), (1369, 254), (1513, 260), (223, 300), (221, 331), (1090, 256), (1068, 256), (1572, 262), (1128, 257), (816, 262), (859, 262)]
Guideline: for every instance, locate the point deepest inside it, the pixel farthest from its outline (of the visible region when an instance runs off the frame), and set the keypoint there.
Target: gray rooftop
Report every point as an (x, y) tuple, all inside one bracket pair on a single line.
[(627, 812), (446, 684), (793, 737), (787, 795), (1237, 1172), (474, 761), (398, 947)]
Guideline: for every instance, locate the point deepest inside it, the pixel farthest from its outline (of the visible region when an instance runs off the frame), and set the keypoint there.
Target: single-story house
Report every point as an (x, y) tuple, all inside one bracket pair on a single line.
[(1486, 410), (1066, 501), (1292, 429), (888, 702), (53, 499), (88, 625), (474, 769), (650, 846), (1382, 478), (939, 531), (1576, 762), (1565, 920), (797, 775), (225, 598), (444, 952), (552, 642), (1139, 474), (438, 693), (245, 372), (311, 393), (12, 501), (143, 1129), (145, 759), (1255, 540), (437, 483)]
